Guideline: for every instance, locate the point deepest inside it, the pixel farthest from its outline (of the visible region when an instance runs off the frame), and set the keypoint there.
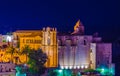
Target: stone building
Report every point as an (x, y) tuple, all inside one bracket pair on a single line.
[(79, 51), (70, 51), (36, 39)]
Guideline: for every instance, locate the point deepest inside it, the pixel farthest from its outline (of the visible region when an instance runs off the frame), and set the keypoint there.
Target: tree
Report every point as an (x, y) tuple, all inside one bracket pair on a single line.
[(52, 73), (91, 71), (11, 50), (37, 59), (25, 51), (20, 70)]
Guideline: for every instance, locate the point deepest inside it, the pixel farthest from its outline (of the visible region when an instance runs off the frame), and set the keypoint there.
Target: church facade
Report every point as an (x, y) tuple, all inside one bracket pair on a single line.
[(44, 39), (69, 51), (79, 51)]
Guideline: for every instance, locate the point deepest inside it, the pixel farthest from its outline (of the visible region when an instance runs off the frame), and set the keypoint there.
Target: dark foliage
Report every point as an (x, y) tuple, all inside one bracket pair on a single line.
[(37, 59)]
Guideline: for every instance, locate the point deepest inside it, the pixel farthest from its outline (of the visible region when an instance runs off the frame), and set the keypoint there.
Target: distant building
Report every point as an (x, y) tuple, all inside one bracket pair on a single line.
[(74, 51), (39, 39), (69, 51), (27, 37), (79, 51), (6, 40), (36, 39)]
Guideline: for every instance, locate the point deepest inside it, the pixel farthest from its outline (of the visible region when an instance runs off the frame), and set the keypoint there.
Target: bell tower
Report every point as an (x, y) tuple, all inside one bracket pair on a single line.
[(49, 46)]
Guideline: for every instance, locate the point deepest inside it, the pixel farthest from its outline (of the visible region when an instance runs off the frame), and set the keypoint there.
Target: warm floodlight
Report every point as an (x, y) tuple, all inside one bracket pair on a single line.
[(86, 67), (78, 67), (70, 67), (82, 66), (66, 67), (62, 67), (74, 67)]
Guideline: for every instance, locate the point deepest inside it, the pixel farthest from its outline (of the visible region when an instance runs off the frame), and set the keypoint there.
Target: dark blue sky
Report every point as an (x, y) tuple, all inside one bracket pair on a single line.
[(101, 16)]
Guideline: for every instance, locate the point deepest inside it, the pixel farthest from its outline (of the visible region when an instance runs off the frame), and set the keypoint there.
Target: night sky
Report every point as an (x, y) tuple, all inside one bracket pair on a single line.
[(102, 16)]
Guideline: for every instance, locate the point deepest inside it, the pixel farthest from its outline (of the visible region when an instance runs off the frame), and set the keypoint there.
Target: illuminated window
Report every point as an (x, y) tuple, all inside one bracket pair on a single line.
[(35, 41), (31, 41), (27, 41), (39, 41), (23, 40)]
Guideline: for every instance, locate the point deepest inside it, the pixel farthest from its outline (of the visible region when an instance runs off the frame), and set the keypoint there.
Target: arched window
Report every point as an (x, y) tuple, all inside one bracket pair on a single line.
[(48, 41), (59, 42), (85, 42)]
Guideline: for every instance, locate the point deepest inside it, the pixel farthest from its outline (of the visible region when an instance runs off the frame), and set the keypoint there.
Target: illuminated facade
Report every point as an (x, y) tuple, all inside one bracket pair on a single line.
[(50, 46), (27, 37), (42, 39), (36, 39), (79, 51), (74, 51), (70, 51)]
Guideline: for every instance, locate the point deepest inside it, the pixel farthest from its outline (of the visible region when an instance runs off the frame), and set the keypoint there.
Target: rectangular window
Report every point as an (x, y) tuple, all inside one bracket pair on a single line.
[(27, 41), (23, 40)]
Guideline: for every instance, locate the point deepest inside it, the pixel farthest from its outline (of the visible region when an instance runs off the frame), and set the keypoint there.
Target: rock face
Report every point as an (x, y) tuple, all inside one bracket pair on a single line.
[(78, 28)]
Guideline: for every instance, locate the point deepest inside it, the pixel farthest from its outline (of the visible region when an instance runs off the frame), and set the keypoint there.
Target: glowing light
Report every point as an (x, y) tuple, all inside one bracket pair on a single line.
[(9, 38), (25, 65), (86, 66), (62, 67), (18, 72), (60, 71), (105, 71), (82, 66), (102, 70), (78, 67), (66, 67), (70, 67), (74, 67)]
